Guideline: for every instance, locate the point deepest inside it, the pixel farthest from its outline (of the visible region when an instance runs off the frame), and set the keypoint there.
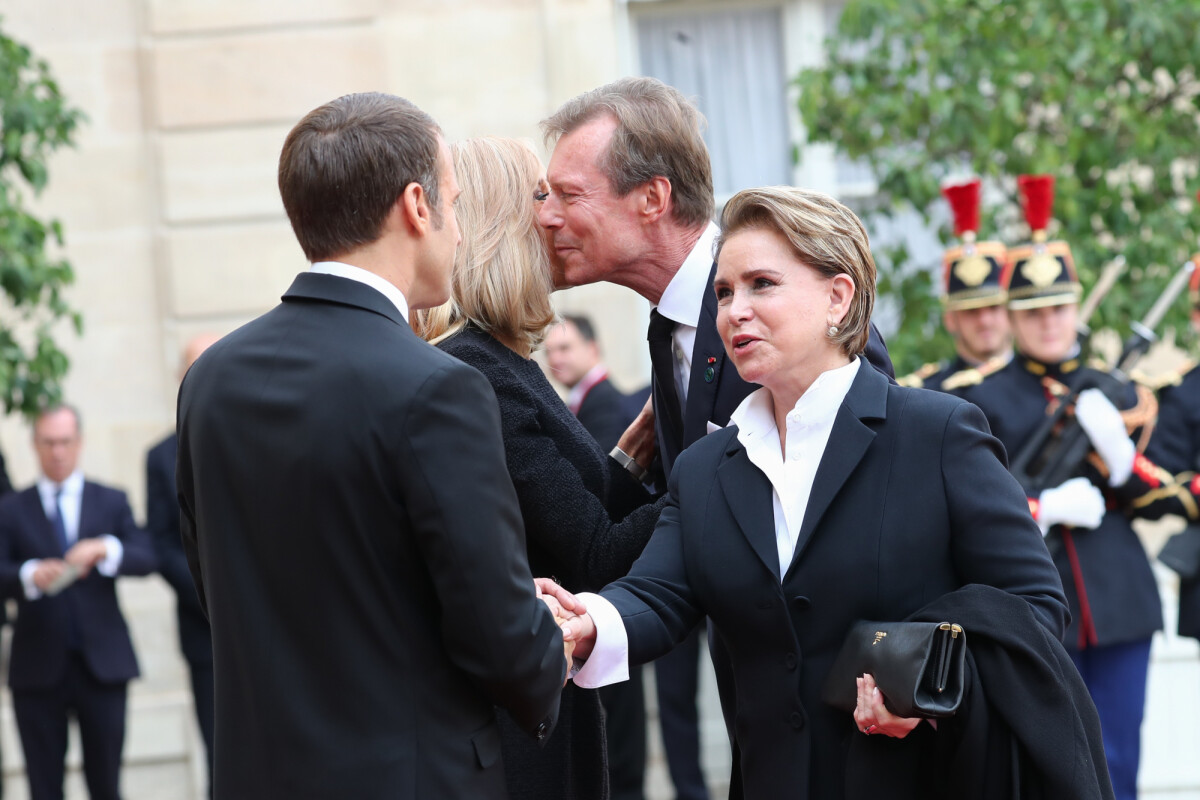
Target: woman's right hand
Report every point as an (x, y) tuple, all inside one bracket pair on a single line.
[(638, 441), (872, 716)]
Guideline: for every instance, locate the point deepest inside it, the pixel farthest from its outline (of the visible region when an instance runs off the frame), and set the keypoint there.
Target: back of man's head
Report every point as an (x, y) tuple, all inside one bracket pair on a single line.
[(659, 133), (346, 163)]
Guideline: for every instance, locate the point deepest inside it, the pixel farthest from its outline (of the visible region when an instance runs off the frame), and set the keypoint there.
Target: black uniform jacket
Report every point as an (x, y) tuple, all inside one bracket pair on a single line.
[(1176, 448), (1109, 583), (911, 500)]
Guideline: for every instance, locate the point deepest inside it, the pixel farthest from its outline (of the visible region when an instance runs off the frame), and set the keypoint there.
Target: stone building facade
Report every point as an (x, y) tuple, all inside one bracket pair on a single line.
[(174, 224)]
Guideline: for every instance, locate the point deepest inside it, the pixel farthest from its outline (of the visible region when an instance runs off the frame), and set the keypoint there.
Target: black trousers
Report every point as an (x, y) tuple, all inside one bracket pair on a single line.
[(203, 694), (42, 717), (625, 728), (677, 676)]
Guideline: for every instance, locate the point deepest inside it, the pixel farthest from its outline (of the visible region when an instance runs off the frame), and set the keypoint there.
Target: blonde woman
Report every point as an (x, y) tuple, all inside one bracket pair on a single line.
[(586, 520)]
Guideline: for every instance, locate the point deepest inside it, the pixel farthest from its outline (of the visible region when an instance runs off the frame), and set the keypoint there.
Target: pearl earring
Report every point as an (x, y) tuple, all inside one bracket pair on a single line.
[(833, 331)]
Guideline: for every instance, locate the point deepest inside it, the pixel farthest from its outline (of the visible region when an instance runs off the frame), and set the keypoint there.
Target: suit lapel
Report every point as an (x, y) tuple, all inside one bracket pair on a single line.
[(86, 502), (748, 495), (848, 443), (707, 353), (36, 512)]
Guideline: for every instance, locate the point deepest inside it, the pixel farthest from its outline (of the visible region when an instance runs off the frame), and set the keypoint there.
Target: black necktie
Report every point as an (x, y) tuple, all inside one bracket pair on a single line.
[(60, 528), (662, 359)]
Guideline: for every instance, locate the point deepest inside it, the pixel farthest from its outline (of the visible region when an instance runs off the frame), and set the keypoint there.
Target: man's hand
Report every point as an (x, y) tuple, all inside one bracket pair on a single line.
[(85, 554), (638, 440), (564, 606), (570, 604), (1102, 423), (1075, 502), (47, 572)]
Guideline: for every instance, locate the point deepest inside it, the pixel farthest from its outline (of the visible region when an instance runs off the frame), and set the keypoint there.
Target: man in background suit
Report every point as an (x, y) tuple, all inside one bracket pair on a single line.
[(345, 507), (63, 541), (631, 203), (573, 355), (162, 521)]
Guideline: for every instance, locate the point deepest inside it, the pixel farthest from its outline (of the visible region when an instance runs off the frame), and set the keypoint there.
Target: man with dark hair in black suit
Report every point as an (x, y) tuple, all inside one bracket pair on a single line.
[(63, 541), (631, 203), (345, 506), (162, 521)]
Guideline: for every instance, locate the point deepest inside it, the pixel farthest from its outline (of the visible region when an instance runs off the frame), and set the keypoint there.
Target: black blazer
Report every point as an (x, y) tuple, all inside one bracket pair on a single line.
[(911, 500), (162, 521), (39, 647), (569, 492), (357, 545)]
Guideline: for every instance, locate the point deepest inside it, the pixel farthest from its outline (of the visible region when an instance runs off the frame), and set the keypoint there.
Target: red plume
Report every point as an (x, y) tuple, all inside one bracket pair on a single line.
[(964, 202), (1037, 195)]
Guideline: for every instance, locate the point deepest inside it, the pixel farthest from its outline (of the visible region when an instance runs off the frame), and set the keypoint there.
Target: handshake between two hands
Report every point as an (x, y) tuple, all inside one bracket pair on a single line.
[(578, 630)]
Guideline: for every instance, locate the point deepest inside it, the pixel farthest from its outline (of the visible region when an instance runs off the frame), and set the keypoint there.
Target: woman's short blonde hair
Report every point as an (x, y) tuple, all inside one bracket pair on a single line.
[(824, 235), (501, 279)]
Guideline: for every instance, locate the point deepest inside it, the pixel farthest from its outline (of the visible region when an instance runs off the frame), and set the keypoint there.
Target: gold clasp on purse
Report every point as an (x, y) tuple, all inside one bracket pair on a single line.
[(878, 637), (955, 630)]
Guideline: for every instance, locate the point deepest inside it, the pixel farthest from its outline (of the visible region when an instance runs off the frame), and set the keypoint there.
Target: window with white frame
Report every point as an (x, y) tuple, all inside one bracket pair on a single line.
[(736, 59)]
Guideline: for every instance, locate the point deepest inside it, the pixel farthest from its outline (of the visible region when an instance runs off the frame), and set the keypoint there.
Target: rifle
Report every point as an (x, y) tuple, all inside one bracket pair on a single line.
[(1058, 448)]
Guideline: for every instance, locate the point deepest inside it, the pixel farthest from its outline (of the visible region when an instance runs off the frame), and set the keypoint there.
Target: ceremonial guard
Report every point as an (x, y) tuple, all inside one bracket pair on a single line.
[(974, 299), (1176, 448), (1114, 600)]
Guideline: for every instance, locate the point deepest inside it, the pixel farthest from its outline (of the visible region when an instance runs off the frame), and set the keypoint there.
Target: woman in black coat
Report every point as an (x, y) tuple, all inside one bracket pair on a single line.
[(835, 496), (586, 519)]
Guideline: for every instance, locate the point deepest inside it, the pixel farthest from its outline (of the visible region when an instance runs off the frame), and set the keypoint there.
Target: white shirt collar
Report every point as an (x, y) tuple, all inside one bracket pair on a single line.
[(755, 416), (384, 287), (809, 426), (72, 486), (682, 299)]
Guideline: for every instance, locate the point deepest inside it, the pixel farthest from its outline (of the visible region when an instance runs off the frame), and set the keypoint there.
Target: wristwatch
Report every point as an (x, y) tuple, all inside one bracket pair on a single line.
[(632, 467)]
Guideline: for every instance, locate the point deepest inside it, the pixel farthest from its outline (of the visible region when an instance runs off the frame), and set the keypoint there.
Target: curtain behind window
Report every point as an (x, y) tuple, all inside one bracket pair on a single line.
[(731, 64)]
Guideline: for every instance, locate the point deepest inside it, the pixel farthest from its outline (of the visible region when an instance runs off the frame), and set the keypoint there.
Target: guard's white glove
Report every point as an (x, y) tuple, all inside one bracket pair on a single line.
[(1103, 424), (1075, 502)]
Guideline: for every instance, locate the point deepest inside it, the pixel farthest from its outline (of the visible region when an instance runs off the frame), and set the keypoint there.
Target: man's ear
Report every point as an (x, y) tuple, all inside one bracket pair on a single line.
[(413, 207), (655, 198)]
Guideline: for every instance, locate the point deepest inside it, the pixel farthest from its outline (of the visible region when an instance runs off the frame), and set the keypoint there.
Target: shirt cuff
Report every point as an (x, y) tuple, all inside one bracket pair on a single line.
[(110, 565), (609, 661), (32, 592)]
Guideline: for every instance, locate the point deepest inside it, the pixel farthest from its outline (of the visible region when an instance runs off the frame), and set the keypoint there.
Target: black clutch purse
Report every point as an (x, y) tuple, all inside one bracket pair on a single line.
[(920, 667)]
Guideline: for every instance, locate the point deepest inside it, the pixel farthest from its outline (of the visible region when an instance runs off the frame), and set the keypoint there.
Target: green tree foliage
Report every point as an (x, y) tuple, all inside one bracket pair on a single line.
[(1103, 94), (35, 120)]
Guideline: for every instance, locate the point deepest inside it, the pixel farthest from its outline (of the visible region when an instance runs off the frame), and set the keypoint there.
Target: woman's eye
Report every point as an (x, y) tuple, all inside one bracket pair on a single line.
[(540, 196), (763, 283), (724, 293)]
